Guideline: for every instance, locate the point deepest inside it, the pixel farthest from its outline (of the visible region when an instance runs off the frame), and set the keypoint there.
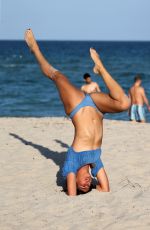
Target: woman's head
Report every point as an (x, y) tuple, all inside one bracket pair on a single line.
[(83, 179)]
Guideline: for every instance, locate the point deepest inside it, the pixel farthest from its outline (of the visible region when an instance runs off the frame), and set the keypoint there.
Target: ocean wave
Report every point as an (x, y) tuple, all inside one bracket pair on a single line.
[(8, 65)]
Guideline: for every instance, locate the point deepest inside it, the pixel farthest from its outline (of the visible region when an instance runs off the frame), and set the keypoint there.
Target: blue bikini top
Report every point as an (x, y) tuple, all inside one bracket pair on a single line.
[(87, 101), (75, 160)]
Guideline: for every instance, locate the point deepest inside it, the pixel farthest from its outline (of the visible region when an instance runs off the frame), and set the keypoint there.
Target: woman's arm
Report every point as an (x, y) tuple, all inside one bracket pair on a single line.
[(71, 184), (103, 183)]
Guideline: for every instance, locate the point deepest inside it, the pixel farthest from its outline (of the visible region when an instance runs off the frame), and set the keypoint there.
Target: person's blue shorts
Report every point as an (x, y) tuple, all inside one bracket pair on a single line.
[(137, 113), (75, 160)]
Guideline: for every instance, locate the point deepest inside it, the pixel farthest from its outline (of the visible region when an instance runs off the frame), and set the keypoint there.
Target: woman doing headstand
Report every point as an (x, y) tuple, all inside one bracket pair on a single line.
[(86, 113)]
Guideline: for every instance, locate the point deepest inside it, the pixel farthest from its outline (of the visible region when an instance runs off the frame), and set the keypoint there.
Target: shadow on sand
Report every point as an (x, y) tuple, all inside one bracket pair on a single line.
[(57, 157)]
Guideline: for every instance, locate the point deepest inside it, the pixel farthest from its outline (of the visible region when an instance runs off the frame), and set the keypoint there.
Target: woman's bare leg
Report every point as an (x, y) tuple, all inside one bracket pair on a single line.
[(70, 95), (116, 101)]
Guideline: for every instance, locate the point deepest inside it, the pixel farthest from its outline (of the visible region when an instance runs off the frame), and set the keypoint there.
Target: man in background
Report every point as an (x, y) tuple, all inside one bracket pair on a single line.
[(90, 86), (138, 99)]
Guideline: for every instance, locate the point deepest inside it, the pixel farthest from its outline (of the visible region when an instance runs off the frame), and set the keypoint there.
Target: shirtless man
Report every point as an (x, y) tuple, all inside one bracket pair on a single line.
[(86, 113), (90, 86), (138, 99)]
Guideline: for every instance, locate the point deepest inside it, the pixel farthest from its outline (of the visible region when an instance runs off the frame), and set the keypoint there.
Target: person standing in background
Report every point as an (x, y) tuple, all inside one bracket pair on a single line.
[(138, 99), (90, 86)]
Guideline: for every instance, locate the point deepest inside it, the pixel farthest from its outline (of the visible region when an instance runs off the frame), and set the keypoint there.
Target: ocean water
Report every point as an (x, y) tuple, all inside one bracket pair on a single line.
[(24, 92)]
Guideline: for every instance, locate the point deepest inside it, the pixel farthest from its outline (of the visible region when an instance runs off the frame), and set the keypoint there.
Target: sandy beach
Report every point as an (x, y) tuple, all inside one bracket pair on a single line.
[(31, 197)]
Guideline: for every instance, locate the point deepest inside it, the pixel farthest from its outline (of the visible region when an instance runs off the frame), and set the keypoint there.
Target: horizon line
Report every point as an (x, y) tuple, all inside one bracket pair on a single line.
[(77, 40)]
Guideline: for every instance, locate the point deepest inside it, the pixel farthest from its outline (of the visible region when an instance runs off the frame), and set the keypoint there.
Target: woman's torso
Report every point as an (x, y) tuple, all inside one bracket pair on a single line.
[(88, 129)]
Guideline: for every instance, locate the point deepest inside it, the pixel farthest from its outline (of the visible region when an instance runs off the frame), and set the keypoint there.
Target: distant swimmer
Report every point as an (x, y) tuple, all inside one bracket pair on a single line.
[(90, 86), (138, 99)]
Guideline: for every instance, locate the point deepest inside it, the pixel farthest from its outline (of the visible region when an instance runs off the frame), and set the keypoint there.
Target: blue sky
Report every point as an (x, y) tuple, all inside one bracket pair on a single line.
[(76, 19)]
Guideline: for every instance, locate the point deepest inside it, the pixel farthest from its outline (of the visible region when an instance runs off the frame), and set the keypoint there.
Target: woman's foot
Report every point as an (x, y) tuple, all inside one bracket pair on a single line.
[(96, 59), (30, 40)]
